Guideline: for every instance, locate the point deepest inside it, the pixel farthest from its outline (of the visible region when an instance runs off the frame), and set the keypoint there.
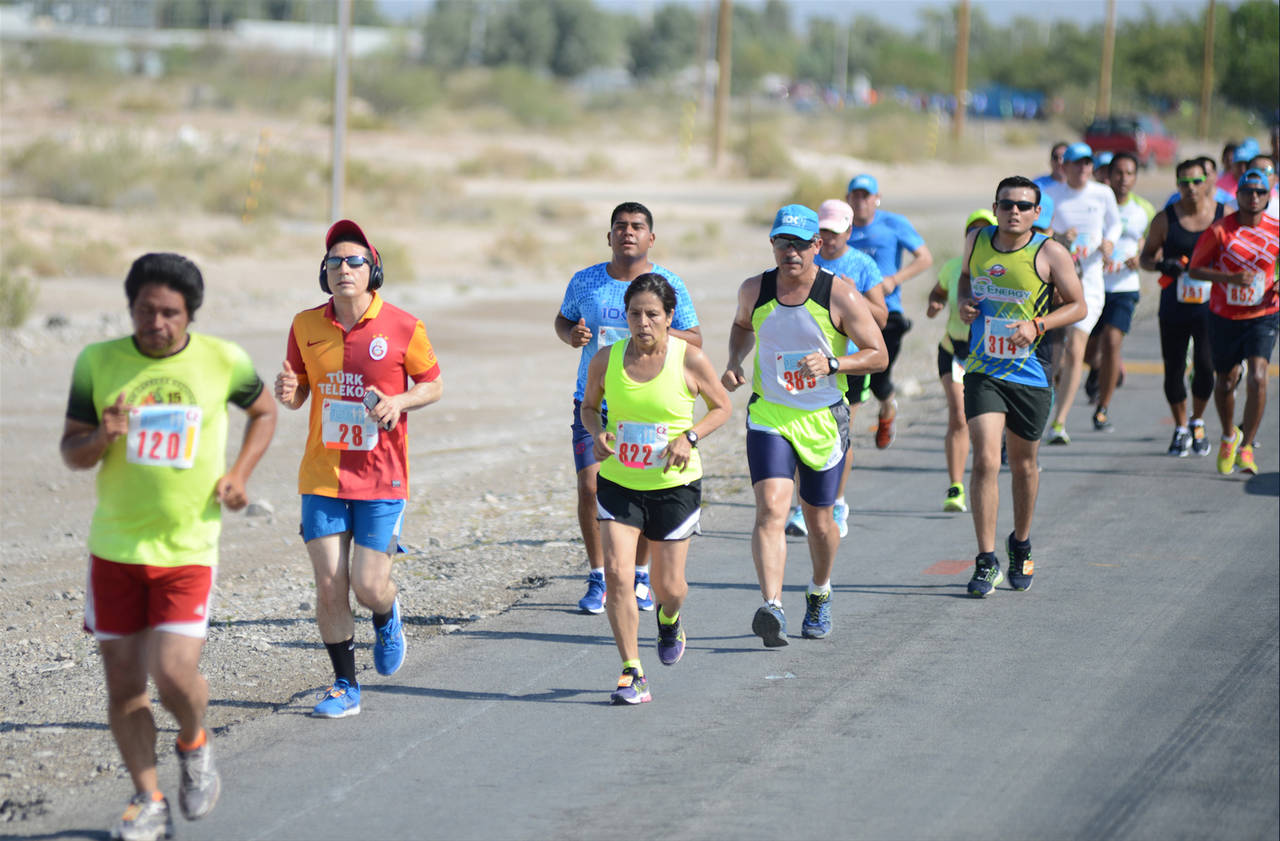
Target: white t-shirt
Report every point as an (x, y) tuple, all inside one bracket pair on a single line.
[(1092, 211), (1133, 224)]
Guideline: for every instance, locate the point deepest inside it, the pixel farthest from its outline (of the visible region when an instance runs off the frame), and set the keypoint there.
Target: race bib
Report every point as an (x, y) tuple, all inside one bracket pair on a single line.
[(997, 340), (346, 425), (164, 435), (1193, 291), (612, 335), (1247, 296), (790, 376), (640, 445)]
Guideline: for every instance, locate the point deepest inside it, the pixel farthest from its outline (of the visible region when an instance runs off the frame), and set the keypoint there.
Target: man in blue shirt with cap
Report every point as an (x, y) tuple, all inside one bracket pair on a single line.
[(884, 236), (802, 317)]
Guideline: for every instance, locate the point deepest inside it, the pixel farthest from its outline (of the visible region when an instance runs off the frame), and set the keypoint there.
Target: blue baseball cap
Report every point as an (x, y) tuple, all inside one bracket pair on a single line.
[(1102, 158), (1254, 179), (1045, 219), (864, 182), (1246, 151), (1077, 152), (795, 220)]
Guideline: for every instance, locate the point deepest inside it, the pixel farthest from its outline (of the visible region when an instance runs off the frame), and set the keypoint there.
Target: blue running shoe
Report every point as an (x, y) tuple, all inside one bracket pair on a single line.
[(770, 624), (817, 616), (1021, 567), (388, 644), (644, 597), (593, 601), (632, 689), (840, 513), (341, 700), (670, 642), (795, 523), (986, 577)]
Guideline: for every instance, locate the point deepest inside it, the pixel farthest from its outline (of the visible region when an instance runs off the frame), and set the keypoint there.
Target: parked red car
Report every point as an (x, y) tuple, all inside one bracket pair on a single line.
[(1142, 136)]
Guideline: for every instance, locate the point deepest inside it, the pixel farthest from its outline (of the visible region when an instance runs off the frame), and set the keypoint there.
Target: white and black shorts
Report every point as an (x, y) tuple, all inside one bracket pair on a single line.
[(665, 514)]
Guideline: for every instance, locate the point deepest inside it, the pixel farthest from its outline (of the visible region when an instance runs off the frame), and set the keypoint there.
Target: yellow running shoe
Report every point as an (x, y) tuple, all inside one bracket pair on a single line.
[(1227, 452), (1244, 460)]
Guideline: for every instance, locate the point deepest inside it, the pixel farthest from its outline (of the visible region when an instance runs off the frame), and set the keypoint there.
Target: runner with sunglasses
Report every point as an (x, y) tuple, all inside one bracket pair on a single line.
[(1184, 304), (365, 363), (797, 419), (1008, 276), (1238, 255)]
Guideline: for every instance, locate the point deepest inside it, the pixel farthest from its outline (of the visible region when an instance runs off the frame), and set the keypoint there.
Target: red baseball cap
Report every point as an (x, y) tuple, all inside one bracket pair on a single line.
[(345, 229)]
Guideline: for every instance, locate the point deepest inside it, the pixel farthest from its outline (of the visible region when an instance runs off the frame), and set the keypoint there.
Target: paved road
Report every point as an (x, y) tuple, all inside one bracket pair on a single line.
[(1132, 693)]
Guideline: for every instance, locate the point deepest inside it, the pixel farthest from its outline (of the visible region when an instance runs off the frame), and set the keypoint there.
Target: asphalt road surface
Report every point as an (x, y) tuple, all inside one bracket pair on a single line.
[(1131, 693)]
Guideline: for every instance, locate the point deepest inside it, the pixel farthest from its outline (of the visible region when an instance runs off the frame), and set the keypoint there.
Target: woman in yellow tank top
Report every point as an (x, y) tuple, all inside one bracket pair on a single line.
[(650, 479)]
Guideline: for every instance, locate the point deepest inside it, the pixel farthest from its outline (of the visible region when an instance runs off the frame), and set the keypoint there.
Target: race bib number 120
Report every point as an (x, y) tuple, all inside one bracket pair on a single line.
[(346, 425), (164, 435)]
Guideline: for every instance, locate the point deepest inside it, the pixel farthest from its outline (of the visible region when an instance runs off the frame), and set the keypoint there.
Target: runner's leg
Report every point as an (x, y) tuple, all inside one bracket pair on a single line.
[(1025, 484), (329, 563), (768, 540), (985, 432), (618, 544), (1069, 372), (1110, 341), (173, 660), (956, 443), (667, 575), (129, 706), (1255, 398)]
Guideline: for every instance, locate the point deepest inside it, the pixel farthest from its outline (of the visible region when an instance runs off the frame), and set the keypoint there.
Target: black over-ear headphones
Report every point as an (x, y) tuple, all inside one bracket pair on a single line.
[(375, 275)]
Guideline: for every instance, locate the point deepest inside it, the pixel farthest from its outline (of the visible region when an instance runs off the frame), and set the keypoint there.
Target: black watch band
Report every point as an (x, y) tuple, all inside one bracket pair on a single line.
[(691, 437), (833, 364)]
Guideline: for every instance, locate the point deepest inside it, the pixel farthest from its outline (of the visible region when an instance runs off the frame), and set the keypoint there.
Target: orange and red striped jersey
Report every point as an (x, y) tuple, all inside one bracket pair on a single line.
[(347, 455), (1228, 246)]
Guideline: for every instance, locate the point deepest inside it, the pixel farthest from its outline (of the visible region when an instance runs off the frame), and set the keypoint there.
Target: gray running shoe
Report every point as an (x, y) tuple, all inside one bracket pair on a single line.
[(144, 819), (770, 624), (200, 781)]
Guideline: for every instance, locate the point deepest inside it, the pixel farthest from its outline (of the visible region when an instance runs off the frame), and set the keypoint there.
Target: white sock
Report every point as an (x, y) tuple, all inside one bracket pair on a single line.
[(1183, 429), (1196, 422), (773, 603), (814, 588), (597, 573)]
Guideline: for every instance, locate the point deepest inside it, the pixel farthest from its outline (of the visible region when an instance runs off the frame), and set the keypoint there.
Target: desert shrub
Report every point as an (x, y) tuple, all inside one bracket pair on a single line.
[(17, 298)]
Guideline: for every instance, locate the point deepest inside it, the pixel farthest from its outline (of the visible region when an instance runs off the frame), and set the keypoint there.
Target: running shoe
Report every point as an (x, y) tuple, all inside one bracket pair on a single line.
[(770, 624), (644, 596), (388, 643), (1058, 434), (144, 819), (986, 577), (1100, 421), (1199, 441), (199, 780), (1180, 445), (339, 701), (1244, 460), (817, 616), (795, 523), (955, 500), (884, 432), (1227, 452), (593, 601), (840, 513), (670, 642), (1021, 567), (1091, 385), (632, 688)]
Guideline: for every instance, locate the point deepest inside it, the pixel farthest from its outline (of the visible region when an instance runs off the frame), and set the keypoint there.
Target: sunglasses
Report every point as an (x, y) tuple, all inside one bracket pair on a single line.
[(1010, 204), (1249, 191), (355, 261), (783, 243), (1197, 180)]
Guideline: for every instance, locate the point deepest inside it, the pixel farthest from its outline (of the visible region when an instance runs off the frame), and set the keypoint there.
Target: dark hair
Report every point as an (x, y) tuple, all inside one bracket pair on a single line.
[(1061, 144), (1018, 181), (631, 207), (1188, 164), (1125, 156), (1266, 158), (655, 283), (166, 269)]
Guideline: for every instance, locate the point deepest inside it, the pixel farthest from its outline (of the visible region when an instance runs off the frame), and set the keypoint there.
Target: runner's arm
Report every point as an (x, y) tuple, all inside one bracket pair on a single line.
[(1205, 256), (967, 307), (692, 335), (83, 444), (874, 298), (742, 335), (921, 259), (853, 318), (1154, 243), (592, 398), (390, 406), (230, 489), (575, 334), (1066, 283)]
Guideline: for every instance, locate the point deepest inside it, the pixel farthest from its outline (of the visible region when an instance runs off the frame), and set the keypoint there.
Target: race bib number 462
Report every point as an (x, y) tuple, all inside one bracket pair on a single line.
[(346, 425), (164, 435)]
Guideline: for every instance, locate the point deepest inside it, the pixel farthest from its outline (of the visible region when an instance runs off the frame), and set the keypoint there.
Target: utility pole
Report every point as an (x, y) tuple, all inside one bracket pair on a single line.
[(341, 84), (704, 34), (1206, 74), (961, 72), (1108, 55), (724, 57), (840, 73)]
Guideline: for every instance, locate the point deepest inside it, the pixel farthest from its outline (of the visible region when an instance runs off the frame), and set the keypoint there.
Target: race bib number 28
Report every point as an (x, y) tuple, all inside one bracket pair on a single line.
[(346, 425), (164, 435)]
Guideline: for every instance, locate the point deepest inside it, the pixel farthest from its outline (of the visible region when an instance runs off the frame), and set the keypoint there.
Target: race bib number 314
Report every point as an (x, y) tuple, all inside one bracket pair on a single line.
[(164, 435), (997, 340)]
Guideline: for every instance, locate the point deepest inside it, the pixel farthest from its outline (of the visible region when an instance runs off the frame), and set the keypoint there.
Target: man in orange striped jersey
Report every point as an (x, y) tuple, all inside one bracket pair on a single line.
[(365, 363)]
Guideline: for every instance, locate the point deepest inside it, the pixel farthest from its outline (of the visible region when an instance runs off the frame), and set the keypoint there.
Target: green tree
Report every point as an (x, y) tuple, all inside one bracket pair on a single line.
[(1251, 78), (447, 40)]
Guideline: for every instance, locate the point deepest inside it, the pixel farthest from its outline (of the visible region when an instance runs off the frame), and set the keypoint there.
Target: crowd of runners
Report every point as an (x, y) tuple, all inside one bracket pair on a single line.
[(1046, 286)]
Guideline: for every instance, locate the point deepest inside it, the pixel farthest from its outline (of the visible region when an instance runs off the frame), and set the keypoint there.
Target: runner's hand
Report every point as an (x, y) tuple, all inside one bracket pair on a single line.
[(387, 411), (677, 454), (733, 378), (815, 364), (231, 493), (286, 385), (968, 310), (115, 419), (600, 445), (580, 335), (1023, 333)]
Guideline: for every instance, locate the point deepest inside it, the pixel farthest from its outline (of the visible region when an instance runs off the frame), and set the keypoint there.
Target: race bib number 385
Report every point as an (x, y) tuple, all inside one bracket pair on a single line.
[(164, 435), (346, 425), (790, 375)]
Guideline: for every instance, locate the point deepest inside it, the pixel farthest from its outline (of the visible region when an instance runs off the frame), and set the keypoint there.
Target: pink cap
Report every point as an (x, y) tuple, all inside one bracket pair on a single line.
[(835, 215), (346, 229)]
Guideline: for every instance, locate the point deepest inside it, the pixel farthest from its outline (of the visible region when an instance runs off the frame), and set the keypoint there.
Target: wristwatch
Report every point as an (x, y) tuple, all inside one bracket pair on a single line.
[(691, 437), (833, 364)]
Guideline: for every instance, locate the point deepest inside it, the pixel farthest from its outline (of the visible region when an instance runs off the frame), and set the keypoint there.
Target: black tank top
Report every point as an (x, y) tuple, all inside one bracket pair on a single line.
[(1179, 242)]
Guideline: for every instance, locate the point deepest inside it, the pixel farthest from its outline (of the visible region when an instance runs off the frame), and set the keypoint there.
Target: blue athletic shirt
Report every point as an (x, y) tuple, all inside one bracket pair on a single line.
[(859, 268), (883, 240), (597, 297)]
